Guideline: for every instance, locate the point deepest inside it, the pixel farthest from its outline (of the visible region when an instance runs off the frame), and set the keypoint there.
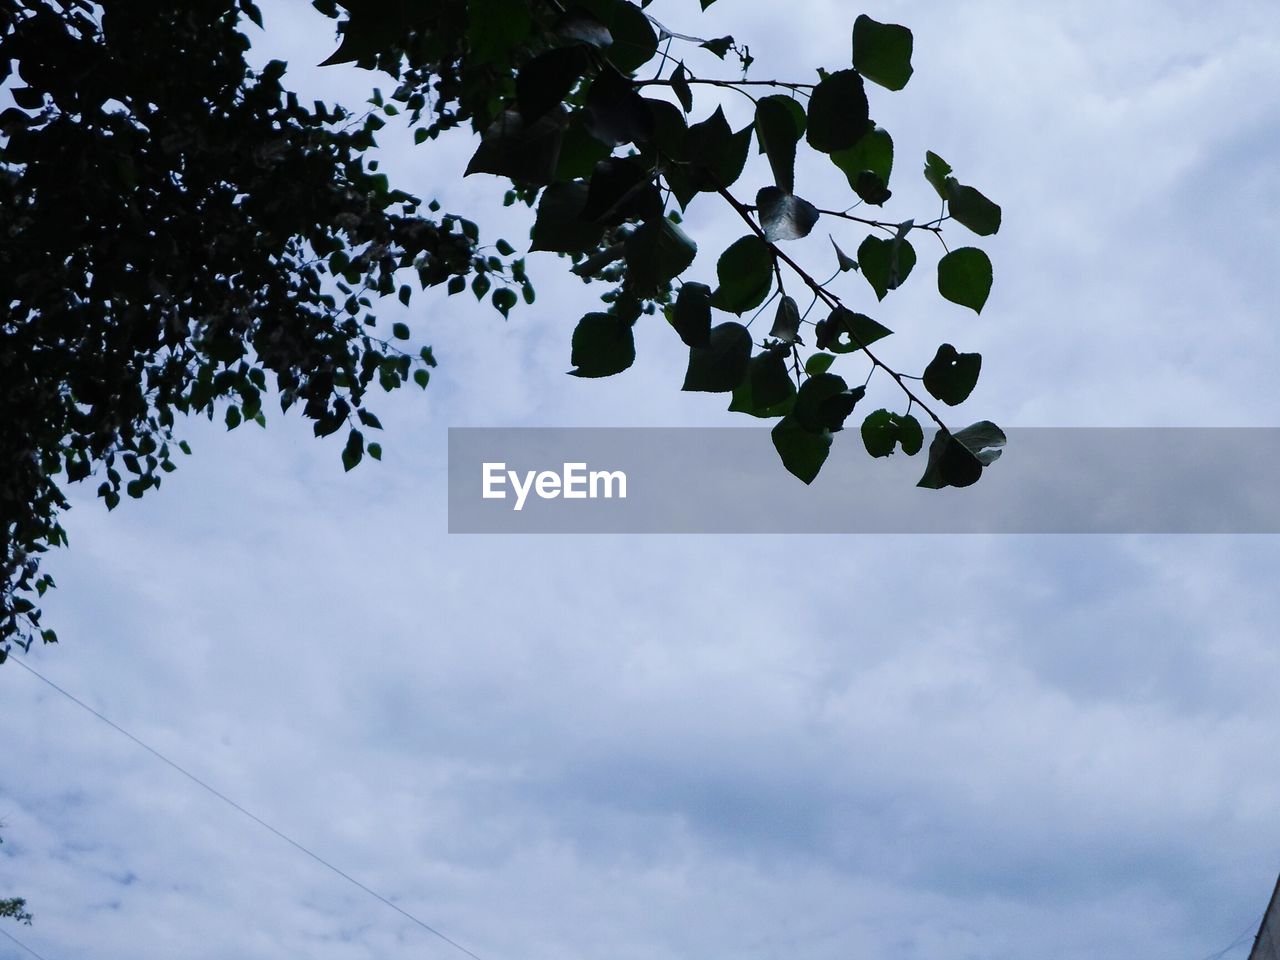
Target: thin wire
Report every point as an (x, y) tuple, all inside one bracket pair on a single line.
[(1238, 941), (252, 816), (22, 945)]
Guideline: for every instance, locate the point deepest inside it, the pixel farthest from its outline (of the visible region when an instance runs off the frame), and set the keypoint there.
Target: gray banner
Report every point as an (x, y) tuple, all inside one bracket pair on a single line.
[(724, 480)]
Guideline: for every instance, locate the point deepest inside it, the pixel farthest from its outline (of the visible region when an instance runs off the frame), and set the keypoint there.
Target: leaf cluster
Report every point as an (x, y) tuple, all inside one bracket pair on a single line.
[(614, 161), (183, 236)]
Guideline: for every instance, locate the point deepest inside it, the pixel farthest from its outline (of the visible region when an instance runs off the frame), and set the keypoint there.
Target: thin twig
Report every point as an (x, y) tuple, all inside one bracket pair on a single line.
[(828, 298)]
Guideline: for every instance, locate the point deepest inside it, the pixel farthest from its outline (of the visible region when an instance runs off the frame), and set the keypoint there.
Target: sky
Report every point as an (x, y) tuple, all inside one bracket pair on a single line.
[(557, 747)]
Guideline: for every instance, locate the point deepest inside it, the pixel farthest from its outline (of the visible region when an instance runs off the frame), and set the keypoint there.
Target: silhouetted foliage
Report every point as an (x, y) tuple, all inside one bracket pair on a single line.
[(182, 235)]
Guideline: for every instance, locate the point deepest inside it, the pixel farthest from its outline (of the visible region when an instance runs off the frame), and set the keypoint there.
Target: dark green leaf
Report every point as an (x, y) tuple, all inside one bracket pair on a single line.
[(838, 112), (503, 300), (964, 277), (872, 154), (744, 400), (524, 153), (717, 158), (843, 260), (353, 452), (497, 27), (969, 207), (824, 402), (400, 331), (956, 460), (819, 363), (560, 225), (547, 79), (936, 171), (779, 126), (691, 314), (680, 86), (579, 151), (722, 364), (634, 39), (871, 189), (659, 251), (803, 452), (844, 331), (882, 52), (603, 345), (767, 390), (882, 431), (583, 27), (786, 322), (615, 113), (363, 38), (719, 46), (886, 262), (622, 189), (984, 440), (668, 132), (745, 272), (769, 380), (784, 216), (951, 376)]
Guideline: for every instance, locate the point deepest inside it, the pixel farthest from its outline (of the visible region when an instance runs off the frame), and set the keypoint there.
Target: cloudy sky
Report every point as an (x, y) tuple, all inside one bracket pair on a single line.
[(650, 748)]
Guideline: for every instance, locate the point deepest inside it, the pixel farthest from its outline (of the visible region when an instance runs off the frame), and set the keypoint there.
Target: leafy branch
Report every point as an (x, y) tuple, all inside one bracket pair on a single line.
[(577, 103)]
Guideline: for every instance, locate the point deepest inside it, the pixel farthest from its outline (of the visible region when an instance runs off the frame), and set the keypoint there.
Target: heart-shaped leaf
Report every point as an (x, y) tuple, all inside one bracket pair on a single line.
[(786, 322), (883, 431), (964, 277), (745, 272), (603, 345), (824, 402), (838, 112), (559, 225), (803, 452), (951, 375), (784, 216), (886, 262), (722, 364), (844, 331), (657, 252)]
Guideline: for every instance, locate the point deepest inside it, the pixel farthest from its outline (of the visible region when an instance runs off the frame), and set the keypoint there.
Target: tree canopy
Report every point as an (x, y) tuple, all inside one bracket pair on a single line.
[(184, 236)]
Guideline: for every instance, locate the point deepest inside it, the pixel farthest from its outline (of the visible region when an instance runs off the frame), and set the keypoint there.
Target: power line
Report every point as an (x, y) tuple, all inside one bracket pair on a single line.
[(21, 944), (1238, 941), (325, 863), (252, 816)]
